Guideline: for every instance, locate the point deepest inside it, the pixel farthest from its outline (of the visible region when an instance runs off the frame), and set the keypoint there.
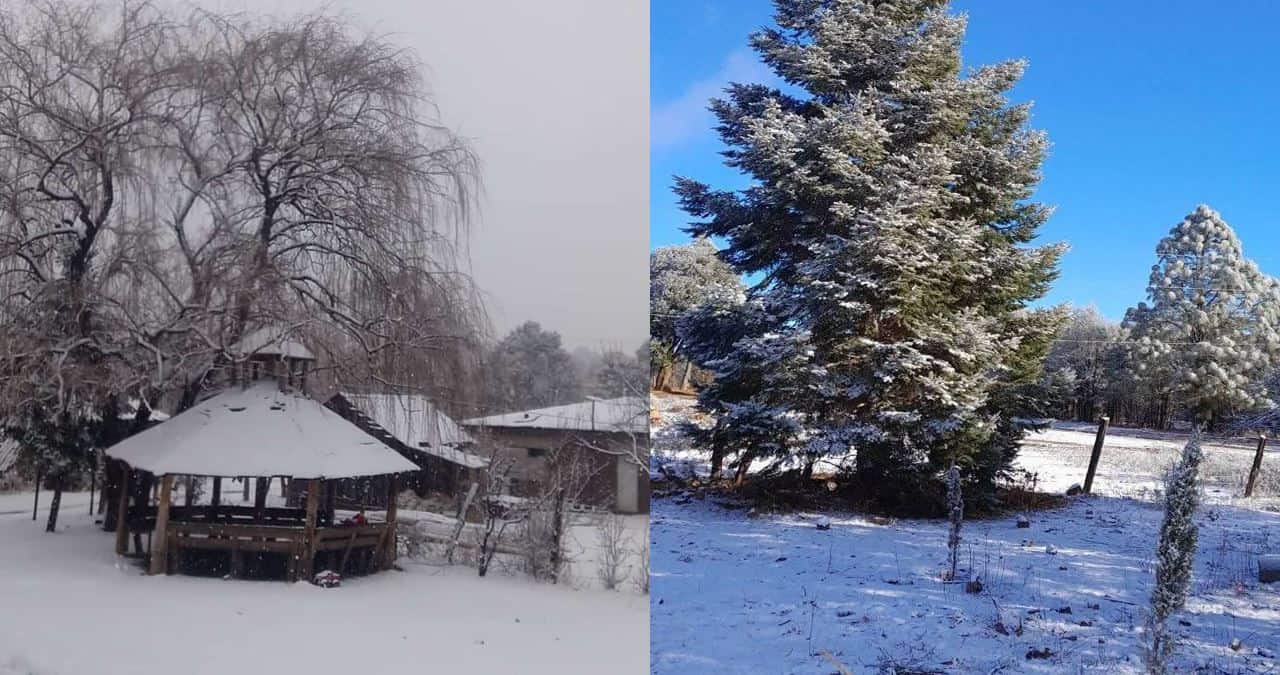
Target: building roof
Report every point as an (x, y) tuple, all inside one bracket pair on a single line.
[(626, 414), (259, 431), (415, 421), (272, 341)]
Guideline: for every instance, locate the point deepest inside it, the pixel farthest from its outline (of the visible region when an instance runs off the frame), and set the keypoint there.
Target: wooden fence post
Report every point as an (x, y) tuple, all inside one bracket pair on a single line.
[(1257, 464), (160, 538), (1103, 422)]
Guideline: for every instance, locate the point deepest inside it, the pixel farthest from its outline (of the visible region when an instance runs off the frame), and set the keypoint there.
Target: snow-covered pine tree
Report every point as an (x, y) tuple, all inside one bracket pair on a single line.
[(1175, 553), (888, 221), (681, 278), (747, 371), (1211, 333)]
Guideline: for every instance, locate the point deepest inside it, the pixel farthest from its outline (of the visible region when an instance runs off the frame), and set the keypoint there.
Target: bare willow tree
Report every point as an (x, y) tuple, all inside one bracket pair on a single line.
[(80, 102), (170, 184)]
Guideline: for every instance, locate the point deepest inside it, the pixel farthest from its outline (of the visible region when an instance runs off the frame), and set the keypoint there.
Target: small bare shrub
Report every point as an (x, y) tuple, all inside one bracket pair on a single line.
[(643, 581), (613, 551)]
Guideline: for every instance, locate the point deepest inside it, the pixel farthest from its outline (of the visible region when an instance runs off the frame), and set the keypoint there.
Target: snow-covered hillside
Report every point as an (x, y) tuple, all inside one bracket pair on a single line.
[(736, 592)]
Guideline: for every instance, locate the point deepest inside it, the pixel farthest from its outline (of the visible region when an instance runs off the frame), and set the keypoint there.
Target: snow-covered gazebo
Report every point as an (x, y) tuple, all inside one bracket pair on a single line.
[(256, 429)]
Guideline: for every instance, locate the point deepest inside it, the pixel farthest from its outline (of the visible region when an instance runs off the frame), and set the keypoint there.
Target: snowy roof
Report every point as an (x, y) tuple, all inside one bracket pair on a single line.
[(272, 341), (259, 431), (628, 414), (414, 420)]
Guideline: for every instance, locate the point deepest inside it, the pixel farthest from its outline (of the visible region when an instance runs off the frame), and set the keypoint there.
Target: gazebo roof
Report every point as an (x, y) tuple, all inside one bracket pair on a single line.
[(259, 431), (272, 341)]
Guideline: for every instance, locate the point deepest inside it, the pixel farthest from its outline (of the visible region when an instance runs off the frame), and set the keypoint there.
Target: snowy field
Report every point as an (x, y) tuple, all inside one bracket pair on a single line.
[(1066, 595), (70, 606)]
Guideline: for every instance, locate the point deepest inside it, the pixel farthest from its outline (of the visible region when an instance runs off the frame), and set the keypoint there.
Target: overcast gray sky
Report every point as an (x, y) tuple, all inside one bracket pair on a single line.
[(554, 95)]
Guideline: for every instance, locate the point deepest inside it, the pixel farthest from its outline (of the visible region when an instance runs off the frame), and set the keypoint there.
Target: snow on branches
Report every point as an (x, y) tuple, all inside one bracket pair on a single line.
[(1211, 333), (889, 225)]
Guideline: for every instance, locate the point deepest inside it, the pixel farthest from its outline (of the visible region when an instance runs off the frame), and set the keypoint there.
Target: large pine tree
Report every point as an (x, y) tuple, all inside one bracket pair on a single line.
[(1211, 333), (888, 220)]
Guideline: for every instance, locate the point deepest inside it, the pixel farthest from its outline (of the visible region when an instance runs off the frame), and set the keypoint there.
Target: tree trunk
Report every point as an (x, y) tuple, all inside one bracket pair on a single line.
[(717, 460), (36, 505), (684, 377), (54, 503), (112, 484), (744, 464)]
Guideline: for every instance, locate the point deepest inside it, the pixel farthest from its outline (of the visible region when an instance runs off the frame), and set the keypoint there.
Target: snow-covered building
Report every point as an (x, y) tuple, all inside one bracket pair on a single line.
[(275, 351), (414, 426), (606, 441), (261, 426)]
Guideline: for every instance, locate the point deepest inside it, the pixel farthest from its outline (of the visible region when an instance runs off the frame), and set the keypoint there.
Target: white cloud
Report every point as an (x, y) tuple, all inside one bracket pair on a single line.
[(676, 121)]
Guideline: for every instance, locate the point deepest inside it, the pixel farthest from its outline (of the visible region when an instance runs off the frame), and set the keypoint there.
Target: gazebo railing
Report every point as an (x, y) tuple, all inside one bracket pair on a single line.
[(298, 534), (238, 539), (222, 513)]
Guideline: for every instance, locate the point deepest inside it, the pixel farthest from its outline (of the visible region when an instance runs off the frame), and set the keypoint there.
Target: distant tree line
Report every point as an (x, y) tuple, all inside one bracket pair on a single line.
[(1202, 349), (530, 368)]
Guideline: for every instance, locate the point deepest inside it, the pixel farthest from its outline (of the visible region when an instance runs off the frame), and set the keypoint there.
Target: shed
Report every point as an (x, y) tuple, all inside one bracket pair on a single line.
[(609, 436)]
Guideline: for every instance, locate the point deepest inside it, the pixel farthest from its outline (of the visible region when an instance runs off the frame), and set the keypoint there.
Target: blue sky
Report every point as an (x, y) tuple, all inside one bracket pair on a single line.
[(1149, 112)]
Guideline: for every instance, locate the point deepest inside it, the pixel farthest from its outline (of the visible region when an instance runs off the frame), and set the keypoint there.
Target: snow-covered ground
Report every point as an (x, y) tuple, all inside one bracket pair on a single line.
[(69, 605), (739, 592)]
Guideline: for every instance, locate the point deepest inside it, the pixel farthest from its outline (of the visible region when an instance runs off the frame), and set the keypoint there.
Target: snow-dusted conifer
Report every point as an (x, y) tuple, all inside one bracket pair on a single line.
[(889, 223), (1211, 333), (681, 278), (1175, 552), (750, 362)]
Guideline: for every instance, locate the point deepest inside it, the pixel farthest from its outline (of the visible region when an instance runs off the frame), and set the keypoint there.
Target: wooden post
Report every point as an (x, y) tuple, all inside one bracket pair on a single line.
[(244, 480), (330, 502), (122, 511), (215, 498), (260, 498), (1257, 464), (160, 538), (1103, 422), (189, 497), (309, 533), (389, 552)]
